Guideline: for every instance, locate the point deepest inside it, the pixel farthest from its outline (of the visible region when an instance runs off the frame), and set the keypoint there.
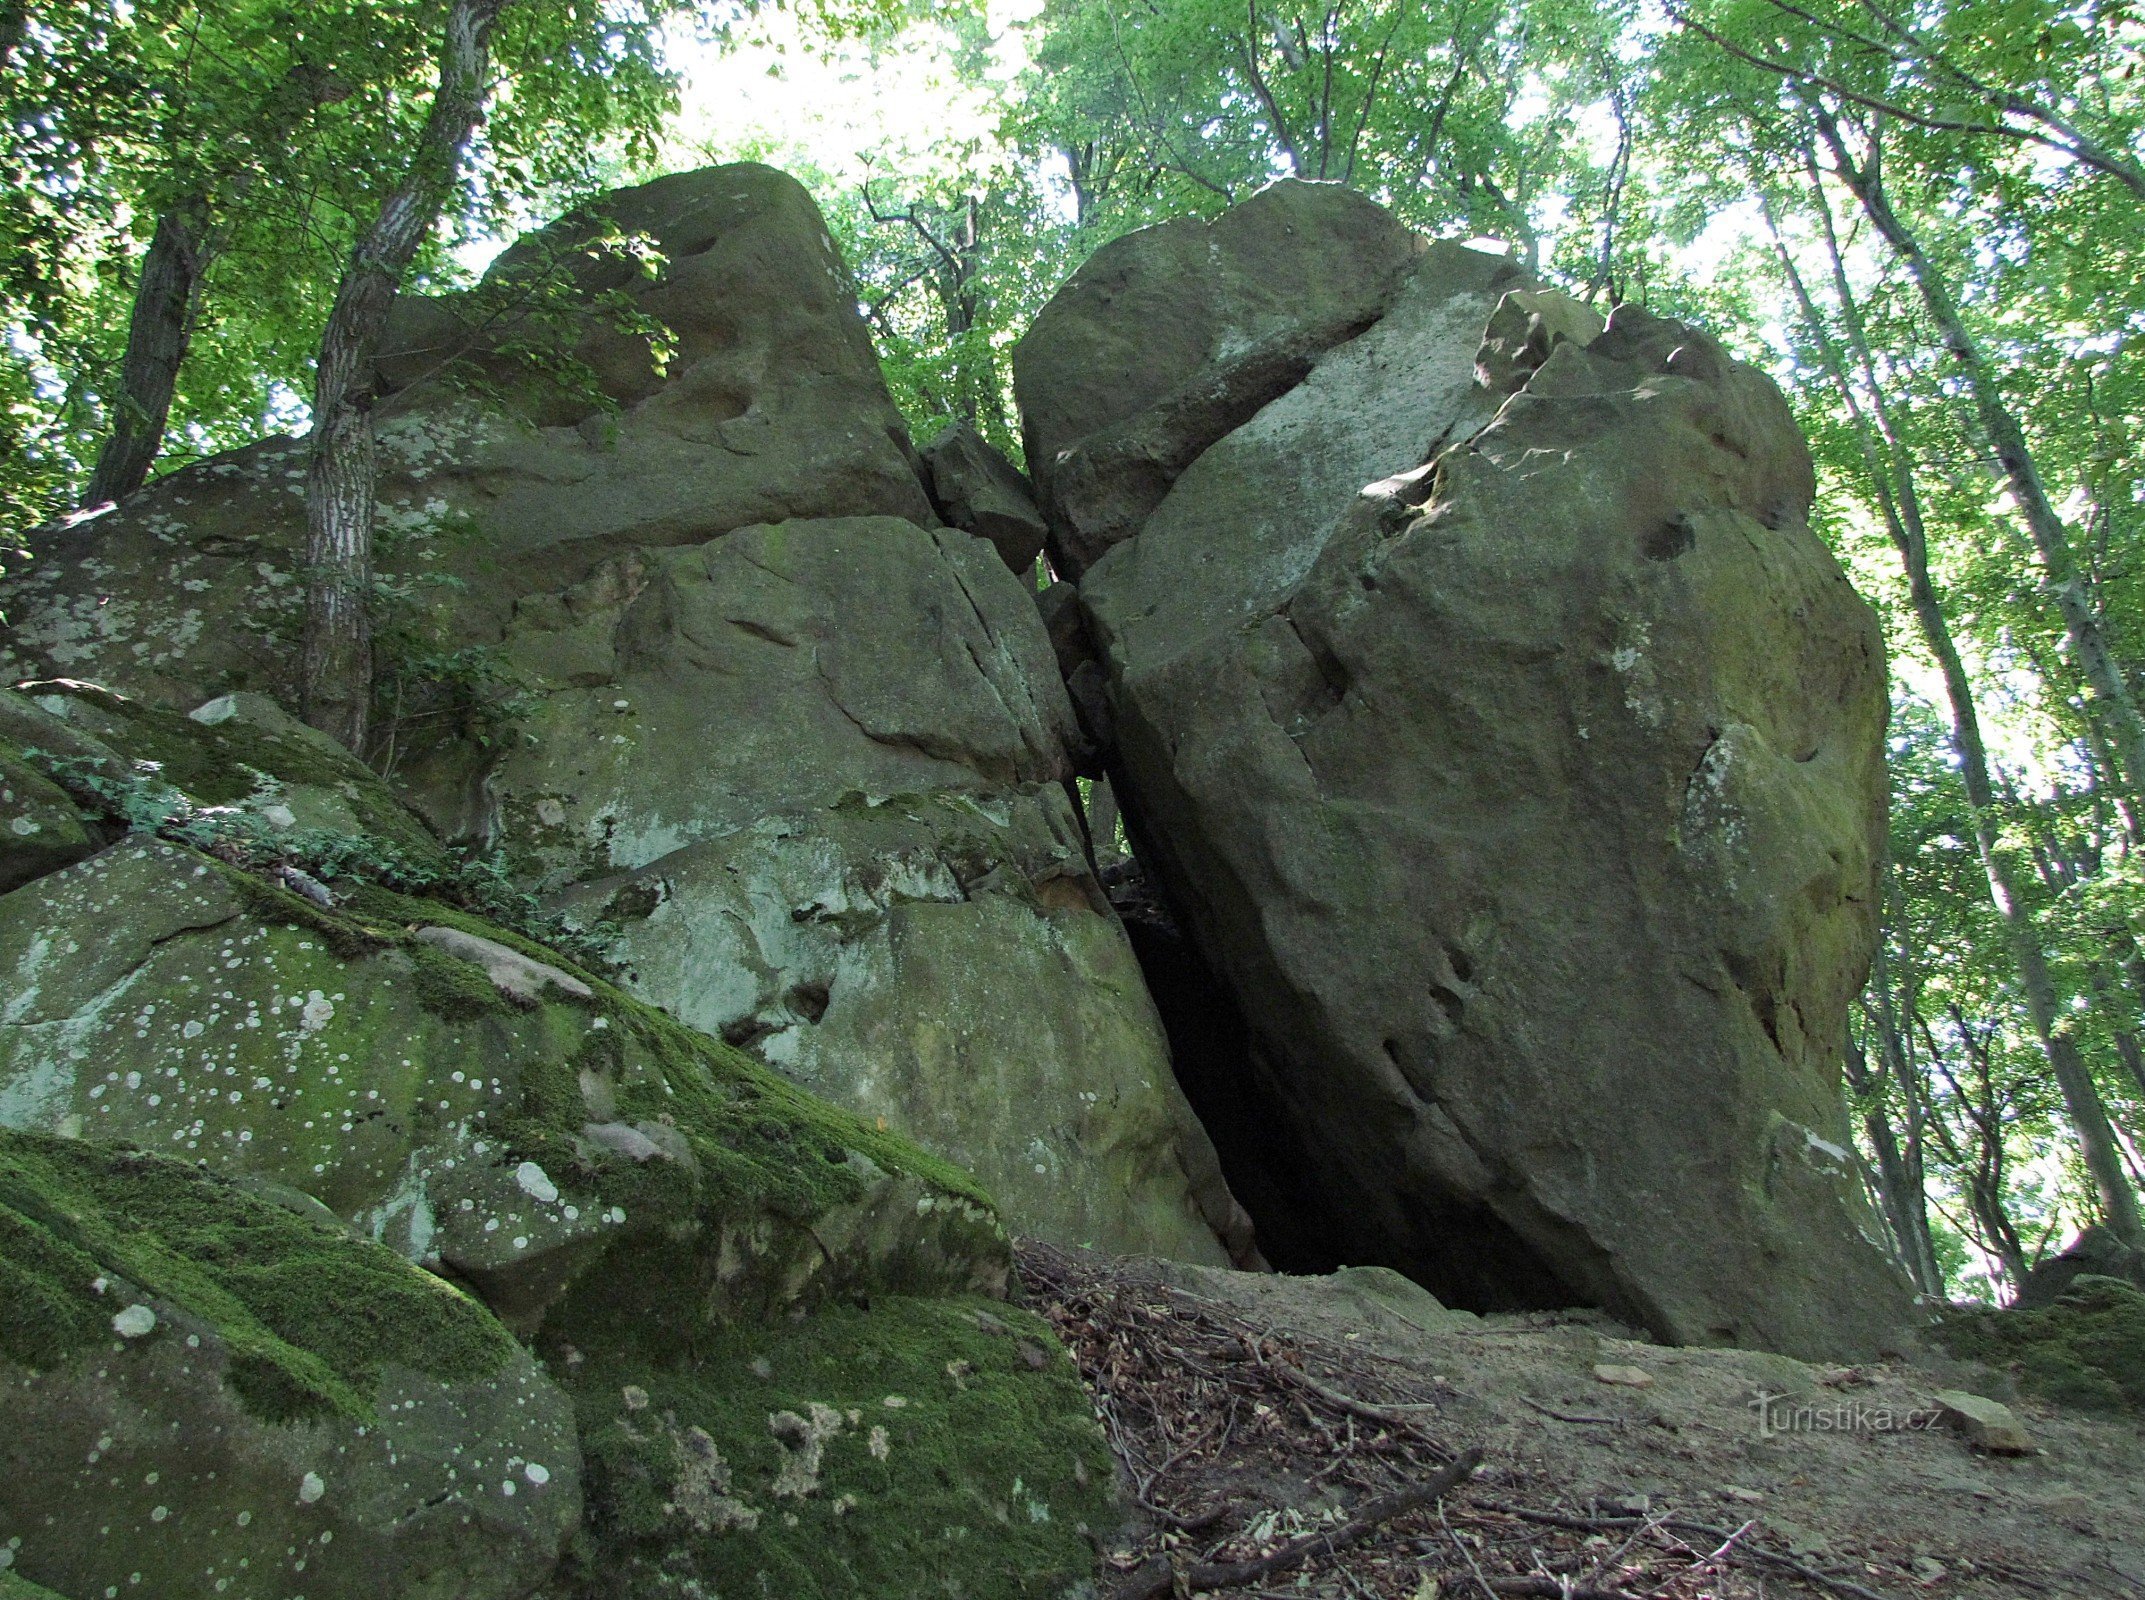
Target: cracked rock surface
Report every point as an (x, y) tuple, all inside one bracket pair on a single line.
[(704, 618), (1513, 749)]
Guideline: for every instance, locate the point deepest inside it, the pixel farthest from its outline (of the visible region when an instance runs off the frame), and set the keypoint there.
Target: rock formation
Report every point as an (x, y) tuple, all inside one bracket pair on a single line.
[(262, 1088), (209, 1395), (571, 1150), (1510, 747), (691, 648)]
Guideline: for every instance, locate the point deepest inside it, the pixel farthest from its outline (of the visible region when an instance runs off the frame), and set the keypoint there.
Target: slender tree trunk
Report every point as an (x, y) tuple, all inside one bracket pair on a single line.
[(1892, 478), (14, 18), (2110, 696), (1895, 1188), (340, 486), (157, 337), (2113, 980), (1900, 1163)]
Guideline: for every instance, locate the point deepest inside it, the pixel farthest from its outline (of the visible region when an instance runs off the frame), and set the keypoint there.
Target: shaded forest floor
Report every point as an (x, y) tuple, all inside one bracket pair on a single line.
[(1262, 1421)]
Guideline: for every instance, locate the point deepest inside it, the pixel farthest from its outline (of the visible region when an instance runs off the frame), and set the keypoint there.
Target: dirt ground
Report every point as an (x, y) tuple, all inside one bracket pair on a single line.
[(1263, 1421)]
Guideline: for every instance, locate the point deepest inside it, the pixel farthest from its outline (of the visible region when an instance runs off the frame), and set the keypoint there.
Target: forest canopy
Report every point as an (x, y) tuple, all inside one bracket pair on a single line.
[(1927, 221)]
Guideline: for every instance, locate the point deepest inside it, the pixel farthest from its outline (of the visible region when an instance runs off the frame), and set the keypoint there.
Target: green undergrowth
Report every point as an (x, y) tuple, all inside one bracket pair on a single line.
[(2087, 1349), (310, 1316), (957, 1456)]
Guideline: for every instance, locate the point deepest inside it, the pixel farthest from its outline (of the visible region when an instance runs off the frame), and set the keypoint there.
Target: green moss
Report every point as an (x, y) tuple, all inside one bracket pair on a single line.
[(987, 1478), (381, 904), (453, 988), (14, 1588), (310, 1315), (223, 764), (45, 1320), (748, 1125), (350, 938), (2088, 1349)]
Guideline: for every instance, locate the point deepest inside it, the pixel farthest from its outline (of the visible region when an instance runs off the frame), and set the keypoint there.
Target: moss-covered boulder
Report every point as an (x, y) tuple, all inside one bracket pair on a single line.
[(41, 829), (814, 772), (2086, 1348), (456, 1092), (938, 1447), (676, 602), (238, 766), (208, 1396), (946, 963)]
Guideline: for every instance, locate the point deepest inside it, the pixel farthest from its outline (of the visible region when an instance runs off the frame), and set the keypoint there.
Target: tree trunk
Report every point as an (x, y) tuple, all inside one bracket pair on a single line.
[(157, 337), (1896, 1190), (339, 491), (1892, 477), (2110, 696), (1908, 1192)]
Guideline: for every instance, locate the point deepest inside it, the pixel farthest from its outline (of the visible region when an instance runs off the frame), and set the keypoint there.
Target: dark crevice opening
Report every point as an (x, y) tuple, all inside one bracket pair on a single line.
[(1460, 1250), (1210, 1044)]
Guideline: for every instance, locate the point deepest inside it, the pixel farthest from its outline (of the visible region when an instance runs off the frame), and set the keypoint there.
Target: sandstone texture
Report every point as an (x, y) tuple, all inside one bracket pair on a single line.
[(250, 1093), (1513, 751), (977, 490), (665, 615), (1158, 347), (210, 1396)]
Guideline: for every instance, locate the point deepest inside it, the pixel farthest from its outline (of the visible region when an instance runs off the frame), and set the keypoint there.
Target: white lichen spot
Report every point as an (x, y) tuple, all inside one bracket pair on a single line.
[(803, 1440), (135, 1322), (536, 1183), (310, 1489)]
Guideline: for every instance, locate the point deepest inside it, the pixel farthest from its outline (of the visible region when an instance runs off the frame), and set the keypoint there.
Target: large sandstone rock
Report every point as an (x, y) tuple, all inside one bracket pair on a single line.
[(208, 1396), (771, 407), (813, 775), (977, 490), (723, 1273), (721, 605), (1173, 335), (451, 1097), (1516, 757)]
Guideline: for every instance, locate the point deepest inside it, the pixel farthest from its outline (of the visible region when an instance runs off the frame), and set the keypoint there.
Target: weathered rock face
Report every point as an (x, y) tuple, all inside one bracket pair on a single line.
[(772, 407), (467, 1103), (210, 1396), (721, 1272), (1513, 749), (1177, 334), (977, 490), (648, 643), (815, 779)]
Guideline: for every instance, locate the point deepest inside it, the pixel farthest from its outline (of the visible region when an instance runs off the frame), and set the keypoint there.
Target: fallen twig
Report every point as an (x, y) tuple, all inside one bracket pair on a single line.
[(1157, 1577), (1569, 1416), (1752, 1552)]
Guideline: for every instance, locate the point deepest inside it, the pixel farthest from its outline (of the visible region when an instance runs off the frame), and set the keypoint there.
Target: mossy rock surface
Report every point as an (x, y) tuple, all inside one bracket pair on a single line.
[(914, 1447), (2086, 1349), (41, 829), (210, 1395), (238, 753), (160, 997), (14, 1588)]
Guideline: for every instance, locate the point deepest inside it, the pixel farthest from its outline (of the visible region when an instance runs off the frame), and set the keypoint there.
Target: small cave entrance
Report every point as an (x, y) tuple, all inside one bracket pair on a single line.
[(1268, 1170), (1467, 1256)]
